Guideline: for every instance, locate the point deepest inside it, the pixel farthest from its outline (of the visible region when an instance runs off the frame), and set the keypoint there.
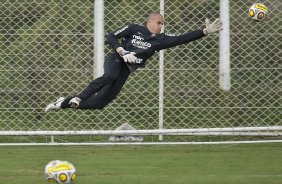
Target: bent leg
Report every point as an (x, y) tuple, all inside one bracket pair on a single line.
[(112, 69), (107, 93)]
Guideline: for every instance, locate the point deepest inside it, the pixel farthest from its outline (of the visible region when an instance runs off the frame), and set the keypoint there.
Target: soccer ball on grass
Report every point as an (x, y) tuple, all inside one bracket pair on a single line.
[(258, 12), (58, 171)]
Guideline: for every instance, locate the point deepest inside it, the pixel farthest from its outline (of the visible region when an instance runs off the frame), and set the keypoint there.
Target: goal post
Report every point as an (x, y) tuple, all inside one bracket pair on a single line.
[(98, 38), (50, 49), (224, 47)]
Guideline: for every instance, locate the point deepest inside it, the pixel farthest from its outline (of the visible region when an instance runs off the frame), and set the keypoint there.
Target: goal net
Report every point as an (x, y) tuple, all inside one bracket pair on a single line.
[(47, 52)]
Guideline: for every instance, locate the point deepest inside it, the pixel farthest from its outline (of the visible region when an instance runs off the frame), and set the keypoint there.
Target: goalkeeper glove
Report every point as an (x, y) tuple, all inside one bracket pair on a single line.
[(74, 102), (212, 27), (126, 55)]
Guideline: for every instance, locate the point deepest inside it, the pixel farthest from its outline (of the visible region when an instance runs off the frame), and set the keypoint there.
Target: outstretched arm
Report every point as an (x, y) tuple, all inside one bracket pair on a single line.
[(171, 41)]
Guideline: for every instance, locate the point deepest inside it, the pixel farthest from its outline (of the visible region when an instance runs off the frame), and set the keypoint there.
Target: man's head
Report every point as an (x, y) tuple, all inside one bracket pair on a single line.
[(155, 22)]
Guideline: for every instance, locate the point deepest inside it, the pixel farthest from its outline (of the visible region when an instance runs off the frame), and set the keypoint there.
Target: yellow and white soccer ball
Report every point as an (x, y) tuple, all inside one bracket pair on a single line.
[(258, 11), (58, 171)]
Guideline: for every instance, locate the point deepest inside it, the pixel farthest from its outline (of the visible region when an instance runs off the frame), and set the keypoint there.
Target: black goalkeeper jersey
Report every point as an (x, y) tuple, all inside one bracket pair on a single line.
[(138, 39)]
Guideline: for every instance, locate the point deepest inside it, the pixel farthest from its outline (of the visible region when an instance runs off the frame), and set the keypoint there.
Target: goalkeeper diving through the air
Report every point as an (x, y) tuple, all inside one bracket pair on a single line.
[(138, 43)]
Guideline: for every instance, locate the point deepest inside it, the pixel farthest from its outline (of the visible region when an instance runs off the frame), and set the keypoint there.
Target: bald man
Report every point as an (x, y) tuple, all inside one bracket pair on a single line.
[(138, 43)]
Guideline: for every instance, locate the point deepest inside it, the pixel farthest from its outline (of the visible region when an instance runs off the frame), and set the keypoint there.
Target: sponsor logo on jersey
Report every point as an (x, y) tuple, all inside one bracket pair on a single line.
[(139, 42), (138, 60)]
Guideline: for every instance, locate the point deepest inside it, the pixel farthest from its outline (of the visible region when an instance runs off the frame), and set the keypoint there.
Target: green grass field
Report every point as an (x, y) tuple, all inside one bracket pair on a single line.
[(241, 163)]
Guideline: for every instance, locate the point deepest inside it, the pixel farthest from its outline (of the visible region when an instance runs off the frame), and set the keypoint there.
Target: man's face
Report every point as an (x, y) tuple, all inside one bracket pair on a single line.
[(155, 24)]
